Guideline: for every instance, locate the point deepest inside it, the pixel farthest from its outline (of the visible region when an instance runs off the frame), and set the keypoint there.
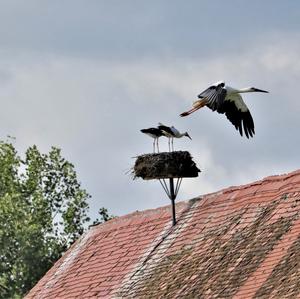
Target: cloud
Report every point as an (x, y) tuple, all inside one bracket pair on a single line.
[(93, 109)]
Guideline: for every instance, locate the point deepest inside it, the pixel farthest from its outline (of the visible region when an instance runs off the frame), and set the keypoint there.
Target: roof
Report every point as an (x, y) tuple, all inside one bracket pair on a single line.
[(241, 242)]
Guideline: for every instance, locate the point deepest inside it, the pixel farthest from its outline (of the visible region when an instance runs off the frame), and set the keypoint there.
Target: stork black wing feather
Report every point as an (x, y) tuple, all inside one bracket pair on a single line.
[(215, 96), (166, 129), (248, 122), (240, 119), (154, 131)]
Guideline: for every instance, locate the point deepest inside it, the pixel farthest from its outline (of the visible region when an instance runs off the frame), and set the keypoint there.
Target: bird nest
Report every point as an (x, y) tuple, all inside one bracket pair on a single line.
[(164, 165)]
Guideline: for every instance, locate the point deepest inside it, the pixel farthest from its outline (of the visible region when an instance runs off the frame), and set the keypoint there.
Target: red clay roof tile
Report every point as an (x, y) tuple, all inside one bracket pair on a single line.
[(242, 242)]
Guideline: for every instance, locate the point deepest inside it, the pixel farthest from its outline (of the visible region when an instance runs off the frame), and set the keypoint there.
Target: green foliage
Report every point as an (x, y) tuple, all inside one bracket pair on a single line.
[(104, 216), (43, 210)]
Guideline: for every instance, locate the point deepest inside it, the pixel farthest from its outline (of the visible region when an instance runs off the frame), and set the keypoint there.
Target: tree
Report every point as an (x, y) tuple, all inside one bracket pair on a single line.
[(43, 210), (104, 216)]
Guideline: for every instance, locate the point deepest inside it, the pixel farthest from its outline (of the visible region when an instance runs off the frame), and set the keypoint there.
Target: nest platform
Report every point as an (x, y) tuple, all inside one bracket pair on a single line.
[(178, 164)]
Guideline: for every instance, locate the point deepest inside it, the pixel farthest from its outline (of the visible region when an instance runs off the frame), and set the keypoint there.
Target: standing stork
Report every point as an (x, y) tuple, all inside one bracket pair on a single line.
[(225, 99), (155, 133), (171, 133)]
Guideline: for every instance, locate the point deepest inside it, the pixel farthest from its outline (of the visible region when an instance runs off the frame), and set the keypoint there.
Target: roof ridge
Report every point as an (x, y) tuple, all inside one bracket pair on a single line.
[(141, 216), (270, 178)]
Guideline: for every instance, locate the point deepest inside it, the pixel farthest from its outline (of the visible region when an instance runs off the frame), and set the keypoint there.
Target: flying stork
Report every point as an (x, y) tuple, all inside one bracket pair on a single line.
[(225, 99), (171, 133), (155, 133)]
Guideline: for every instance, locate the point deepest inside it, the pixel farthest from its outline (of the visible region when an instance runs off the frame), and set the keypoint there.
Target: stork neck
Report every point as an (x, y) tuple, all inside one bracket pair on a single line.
[(231, 90), (243, 90)]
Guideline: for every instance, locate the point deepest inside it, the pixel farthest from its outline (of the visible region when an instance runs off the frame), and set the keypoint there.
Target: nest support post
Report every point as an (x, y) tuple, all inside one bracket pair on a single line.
[(172, 197), (171, 192)]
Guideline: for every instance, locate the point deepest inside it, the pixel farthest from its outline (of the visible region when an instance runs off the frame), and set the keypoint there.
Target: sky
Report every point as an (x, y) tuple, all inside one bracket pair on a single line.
[(86, 76)]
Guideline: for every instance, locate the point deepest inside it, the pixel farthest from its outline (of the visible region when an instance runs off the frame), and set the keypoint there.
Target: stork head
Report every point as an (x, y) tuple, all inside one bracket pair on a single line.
[(187, 135), (253, 89)]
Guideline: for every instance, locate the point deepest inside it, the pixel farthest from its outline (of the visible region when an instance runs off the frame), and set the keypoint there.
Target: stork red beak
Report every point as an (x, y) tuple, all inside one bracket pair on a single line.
[(187, 135), (259, 90)]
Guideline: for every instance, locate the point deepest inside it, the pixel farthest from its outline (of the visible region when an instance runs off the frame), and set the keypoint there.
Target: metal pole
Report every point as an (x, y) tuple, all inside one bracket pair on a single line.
[(172, 197)]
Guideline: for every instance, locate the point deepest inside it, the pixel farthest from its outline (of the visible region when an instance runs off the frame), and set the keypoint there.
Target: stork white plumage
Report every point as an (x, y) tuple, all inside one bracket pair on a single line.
[(171, 133), (154, 133), (227, 100)]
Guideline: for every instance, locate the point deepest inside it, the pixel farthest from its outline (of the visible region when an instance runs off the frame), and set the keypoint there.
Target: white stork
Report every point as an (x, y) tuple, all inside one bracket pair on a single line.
[(155, 133), (171, 133), (225, 99)]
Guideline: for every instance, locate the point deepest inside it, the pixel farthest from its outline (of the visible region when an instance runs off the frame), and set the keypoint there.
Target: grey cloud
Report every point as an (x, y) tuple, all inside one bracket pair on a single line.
[(90, 79), (126, 30)]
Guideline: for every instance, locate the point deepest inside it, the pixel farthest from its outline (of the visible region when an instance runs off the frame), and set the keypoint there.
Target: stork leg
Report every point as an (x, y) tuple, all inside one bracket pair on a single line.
[(154, 145), (196, 105), (173, 144), (157, 145), (169, 143)]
